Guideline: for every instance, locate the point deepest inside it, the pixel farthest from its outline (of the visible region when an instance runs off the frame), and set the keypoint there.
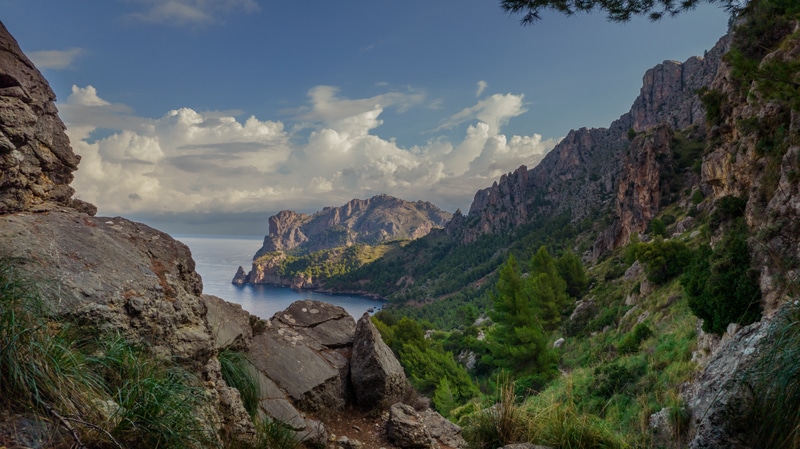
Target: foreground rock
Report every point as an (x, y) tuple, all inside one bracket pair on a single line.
[(378, 378)]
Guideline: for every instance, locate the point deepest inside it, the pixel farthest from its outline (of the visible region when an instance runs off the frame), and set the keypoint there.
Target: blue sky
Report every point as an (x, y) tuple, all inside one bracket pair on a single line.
[(210, 115)]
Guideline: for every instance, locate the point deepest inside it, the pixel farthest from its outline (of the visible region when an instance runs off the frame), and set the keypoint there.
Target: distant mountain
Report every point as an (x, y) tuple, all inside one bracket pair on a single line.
[(371, 222)]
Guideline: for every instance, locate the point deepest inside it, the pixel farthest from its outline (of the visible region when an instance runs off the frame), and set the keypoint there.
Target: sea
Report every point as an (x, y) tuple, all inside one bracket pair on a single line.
[(217, 258)]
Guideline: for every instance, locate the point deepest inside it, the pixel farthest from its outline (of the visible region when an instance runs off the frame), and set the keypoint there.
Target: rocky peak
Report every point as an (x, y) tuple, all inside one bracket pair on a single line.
[(36, 160), (669, 91)]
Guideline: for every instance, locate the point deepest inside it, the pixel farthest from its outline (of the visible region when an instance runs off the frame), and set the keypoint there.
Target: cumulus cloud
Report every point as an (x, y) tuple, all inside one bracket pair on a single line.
[(55, 59), (482, 85), (190, 161), (495, 111), (188, 12)]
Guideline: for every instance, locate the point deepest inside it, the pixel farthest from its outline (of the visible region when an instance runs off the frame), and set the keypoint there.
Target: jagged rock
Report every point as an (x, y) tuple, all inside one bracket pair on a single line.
[(584, 309), (124, 277), (36, 160), (442, 430), (229, 323), (370, 221), (636, 270), (329, 325), (582, 174), (406, 429), (240, 277), (378, 378)]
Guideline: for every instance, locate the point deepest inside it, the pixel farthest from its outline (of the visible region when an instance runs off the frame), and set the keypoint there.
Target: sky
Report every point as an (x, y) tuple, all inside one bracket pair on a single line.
[(208, 116)]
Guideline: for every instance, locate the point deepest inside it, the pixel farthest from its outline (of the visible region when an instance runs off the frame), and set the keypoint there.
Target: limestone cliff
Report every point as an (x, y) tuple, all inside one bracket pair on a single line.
[(585, 173)]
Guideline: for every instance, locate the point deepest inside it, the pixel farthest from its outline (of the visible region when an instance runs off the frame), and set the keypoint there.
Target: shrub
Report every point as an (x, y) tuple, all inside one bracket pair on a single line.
[(721, 286), (501, 424), (664, 259), (630, 343)]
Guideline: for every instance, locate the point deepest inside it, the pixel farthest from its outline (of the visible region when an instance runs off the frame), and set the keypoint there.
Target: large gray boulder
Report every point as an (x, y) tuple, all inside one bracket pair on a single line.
[(305, 350), (378, 378)]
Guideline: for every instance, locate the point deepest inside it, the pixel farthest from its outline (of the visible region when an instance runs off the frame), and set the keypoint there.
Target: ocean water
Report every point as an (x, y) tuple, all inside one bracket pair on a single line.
[(216, 260)]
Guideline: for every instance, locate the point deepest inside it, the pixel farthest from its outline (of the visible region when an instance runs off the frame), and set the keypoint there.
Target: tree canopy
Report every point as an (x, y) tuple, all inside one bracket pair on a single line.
[(616, 10)]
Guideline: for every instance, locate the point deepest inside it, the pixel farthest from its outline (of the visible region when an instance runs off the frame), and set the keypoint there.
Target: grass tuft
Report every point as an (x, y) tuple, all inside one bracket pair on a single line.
[(237, 373)]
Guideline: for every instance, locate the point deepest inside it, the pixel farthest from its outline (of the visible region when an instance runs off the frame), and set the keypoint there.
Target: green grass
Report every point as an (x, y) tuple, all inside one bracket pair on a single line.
[(237, 373)]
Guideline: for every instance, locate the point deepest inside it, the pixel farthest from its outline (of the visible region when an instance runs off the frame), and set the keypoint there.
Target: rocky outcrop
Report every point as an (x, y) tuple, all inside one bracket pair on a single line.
[(36, 160), (378, 378), (640, 187), (369, 221)]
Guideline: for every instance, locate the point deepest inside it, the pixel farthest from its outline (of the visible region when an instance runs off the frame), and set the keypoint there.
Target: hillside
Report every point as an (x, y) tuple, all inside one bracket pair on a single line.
[(685, 214)]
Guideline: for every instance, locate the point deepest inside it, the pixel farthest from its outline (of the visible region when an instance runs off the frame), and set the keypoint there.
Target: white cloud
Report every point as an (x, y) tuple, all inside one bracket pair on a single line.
[(495, 111), (55, 59), (189, 12), (86, 96), (189, 161), (482, 85)]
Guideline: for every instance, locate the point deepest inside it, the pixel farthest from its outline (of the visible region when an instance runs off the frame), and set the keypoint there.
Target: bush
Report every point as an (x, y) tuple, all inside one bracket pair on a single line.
[(501, 424), (630, 343), (664, 259), (721, 286)]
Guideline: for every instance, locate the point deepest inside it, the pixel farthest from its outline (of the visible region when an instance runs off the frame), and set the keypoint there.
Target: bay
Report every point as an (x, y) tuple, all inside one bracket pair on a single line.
[(216, 260)]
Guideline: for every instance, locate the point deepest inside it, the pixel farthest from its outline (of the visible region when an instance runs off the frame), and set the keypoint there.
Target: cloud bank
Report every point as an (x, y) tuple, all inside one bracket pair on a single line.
[(210, 162), (55, 59), (188, 12)]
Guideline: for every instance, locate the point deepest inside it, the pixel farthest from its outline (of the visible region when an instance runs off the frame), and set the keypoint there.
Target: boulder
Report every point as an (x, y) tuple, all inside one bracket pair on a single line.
[(378, 378), (229, 323), (442, 430), (329, 325), (406, 429)]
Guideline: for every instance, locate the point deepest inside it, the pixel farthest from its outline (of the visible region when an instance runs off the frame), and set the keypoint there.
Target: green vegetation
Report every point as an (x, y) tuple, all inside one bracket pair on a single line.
[(429, 366), (615, 10), (721, 286)]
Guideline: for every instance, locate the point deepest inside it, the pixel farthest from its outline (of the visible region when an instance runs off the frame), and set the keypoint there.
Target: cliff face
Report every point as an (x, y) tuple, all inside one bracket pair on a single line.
[(587, 173), (369, 221), (36, 160)]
